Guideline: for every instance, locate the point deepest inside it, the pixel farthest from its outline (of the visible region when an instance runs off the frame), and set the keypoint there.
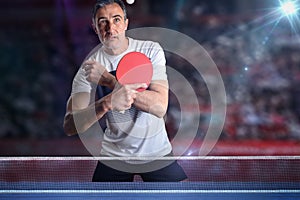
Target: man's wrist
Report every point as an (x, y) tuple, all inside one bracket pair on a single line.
[(112, 83), (108, 80), (104, 105)]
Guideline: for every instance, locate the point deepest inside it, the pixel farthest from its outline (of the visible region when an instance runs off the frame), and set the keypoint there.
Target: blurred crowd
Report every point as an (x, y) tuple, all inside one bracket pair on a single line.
[(260, 70), (259, 62)]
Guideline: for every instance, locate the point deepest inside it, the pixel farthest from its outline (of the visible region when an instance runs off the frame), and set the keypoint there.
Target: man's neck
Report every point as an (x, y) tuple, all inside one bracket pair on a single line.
[(118, 50)]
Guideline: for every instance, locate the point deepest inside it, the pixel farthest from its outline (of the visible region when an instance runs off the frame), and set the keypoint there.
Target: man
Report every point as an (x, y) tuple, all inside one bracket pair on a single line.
[(140, 131)]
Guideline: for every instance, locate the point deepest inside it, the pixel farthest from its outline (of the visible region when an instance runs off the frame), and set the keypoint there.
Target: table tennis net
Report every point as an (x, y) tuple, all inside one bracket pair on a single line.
[(198, 169)]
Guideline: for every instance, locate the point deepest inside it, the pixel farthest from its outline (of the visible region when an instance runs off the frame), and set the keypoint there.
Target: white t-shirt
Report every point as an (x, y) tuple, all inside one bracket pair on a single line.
[(134, 133)]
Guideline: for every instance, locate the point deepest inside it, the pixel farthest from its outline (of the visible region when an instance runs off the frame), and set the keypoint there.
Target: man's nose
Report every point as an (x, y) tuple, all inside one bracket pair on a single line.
[(109, 27)]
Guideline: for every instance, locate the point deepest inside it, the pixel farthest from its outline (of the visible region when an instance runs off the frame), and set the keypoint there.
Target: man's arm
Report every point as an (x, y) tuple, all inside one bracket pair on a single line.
[(81, 114), (155, 99), (97, 73)]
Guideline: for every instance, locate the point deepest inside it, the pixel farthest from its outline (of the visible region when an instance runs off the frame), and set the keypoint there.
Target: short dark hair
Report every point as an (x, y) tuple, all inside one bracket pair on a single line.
[(101, 3)]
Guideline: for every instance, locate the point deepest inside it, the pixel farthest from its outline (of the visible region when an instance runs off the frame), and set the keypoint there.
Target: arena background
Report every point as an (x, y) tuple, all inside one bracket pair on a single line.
[(44, 42)]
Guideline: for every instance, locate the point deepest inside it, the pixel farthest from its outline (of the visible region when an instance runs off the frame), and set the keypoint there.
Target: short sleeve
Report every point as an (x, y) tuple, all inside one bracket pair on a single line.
[(80, 84), (159, 63)]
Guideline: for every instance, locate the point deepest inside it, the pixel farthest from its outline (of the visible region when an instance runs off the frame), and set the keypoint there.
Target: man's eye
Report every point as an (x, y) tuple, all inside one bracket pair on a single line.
[(117, 19), (102, 22)]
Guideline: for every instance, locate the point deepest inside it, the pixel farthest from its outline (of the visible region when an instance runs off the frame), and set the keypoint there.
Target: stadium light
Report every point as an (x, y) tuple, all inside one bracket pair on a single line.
[(289, 7)]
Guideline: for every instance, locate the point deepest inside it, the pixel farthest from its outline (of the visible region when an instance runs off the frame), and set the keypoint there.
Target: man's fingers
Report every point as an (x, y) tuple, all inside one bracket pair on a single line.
[(87, 65), (137, 86), (89, 62)]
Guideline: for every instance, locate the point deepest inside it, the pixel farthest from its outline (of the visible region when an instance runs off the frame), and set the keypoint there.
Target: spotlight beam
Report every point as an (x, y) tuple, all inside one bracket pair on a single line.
[(288, 7)]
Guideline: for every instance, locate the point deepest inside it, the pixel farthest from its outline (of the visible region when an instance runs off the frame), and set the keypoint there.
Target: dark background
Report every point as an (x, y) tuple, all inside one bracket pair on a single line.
[(44, 42)]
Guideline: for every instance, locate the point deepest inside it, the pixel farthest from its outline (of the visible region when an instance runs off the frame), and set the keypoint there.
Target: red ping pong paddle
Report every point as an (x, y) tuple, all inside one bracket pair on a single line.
[(134, 67)]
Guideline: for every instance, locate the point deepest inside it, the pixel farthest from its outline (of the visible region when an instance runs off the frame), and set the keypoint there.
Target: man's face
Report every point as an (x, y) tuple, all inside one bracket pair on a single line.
[(110, 25)]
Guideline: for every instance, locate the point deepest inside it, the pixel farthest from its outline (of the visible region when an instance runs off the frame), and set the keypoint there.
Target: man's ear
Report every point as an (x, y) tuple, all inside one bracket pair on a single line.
[(94, 28), (126, 23)]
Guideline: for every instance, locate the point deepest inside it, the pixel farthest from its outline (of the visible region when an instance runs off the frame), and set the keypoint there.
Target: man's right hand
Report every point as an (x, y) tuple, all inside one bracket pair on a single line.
[(123, 96), (97, 73)]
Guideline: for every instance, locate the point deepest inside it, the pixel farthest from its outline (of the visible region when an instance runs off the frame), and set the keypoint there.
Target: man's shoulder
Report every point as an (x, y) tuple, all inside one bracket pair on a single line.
[(144, 45), (143, 42)]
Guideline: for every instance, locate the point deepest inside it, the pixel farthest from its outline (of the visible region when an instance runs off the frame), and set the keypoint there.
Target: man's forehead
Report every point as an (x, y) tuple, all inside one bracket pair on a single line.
[(110, 10)]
